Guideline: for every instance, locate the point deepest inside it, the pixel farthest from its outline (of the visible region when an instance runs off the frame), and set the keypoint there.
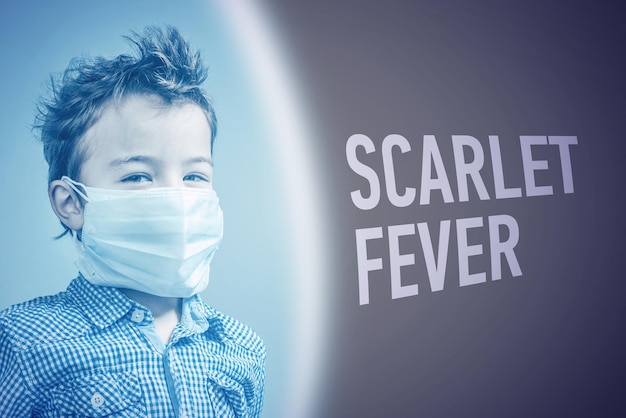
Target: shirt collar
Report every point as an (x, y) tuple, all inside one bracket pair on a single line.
[(106, 305), (194, 317), (101, 304)]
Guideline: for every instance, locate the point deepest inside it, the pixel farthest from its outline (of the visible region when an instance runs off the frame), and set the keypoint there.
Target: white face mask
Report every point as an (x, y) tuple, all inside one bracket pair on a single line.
[(159, 241)]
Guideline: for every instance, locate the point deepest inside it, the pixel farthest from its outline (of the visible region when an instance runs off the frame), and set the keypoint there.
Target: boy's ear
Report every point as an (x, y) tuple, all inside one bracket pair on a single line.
[(66, 204)]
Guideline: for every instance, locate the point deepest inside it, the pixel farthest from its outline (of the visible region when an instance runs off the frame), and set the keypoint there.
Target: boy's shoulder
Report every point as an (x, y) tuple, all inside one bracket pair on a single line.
[(43, 319)]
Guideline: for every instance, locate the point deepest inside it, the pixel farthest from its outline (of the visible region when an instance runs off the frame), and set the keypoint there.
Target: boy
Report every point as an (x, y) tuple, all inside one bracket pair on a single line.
[(129, 147)]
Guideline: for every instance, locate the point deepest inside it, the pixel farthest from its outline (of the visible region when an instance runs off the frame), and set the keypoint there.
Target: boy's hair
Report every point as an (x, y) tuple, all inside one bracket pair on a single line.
[(163, 65)]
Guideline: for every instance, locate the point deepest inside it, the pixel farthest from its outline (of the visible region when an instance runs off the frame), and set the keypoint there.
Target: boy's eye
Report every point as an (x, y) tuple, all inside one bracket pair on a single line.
[(196, 177), (136, 178)]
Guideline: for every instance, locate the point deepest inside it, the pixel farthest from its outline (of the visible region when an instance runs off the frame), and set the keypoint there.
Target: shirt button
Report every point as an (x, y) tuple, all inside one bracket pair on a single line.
[(137, 316), (97, 400)]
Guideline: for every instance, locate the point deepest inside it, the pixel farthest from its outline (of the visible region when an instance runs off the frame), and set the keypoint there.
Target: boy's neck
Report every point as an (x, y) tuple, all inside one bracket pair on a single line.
[(165, 310)]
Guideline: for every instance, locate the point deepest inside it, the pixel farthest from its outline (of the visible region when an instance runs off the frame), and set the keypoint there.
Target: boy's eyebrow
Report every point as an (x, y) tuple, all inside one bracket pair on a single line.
[(199, 159), (132, 159), (150, 160)]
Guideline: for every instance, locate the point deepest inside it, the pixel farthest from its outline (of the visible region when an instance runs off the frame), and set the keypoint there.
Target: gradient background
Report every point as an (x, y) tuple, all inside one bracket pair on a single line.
[(549, 343)]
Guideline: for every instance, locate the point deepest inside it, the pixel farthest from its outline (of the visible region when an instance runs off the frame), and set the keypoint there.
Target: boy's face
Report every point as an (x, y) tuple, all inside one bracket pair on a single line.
[(139, 144), (143, 143)]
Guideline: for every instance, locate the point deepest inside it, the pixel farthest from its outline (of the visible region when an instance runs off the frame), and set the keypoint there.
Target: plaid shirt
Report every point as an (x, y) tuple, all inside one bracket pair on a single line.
[(92, 351)]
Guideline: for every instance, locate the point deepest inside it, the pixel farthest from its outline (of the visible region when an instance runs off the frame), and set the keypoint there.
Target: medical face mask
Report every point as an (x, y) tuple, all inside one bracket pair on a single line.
[(159, 241)]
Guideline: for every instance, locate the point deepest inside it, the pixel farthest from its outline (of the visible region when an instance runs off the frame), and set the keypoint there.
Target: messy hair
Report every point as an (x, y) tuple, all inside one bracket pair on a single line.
[(162, 64)]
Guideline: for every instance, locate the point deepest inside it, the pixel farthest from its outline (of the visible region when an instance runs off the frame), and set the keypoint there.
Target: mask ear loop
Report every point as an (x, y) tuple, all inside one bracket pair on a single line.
[(75, 186)]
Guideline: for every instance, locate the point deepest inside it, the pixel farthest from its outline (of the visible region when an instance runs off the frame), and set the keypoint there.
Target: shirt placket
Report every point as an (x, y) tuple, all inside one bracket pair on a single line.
[(173, 363), (175, 376), (144, 321)]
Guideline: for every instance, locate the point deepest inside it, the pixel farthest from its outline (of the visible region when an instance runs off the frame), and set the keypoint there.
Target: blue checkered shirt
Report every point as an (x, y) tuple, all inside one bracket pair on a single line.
[(91, 351)]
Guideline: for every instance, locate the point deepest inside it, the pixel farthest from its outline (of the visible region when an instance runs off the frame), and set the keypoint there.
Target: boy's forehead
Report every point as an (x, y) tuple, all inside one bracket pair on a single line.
[(146, 123), (143, 107)]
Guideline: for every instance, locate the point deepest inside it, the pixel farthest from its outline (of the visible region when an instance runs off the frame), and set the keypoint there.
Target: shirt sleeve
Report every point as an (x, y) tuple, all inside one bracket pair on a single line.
[(257, 373), (257, 405), (16, 400)]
